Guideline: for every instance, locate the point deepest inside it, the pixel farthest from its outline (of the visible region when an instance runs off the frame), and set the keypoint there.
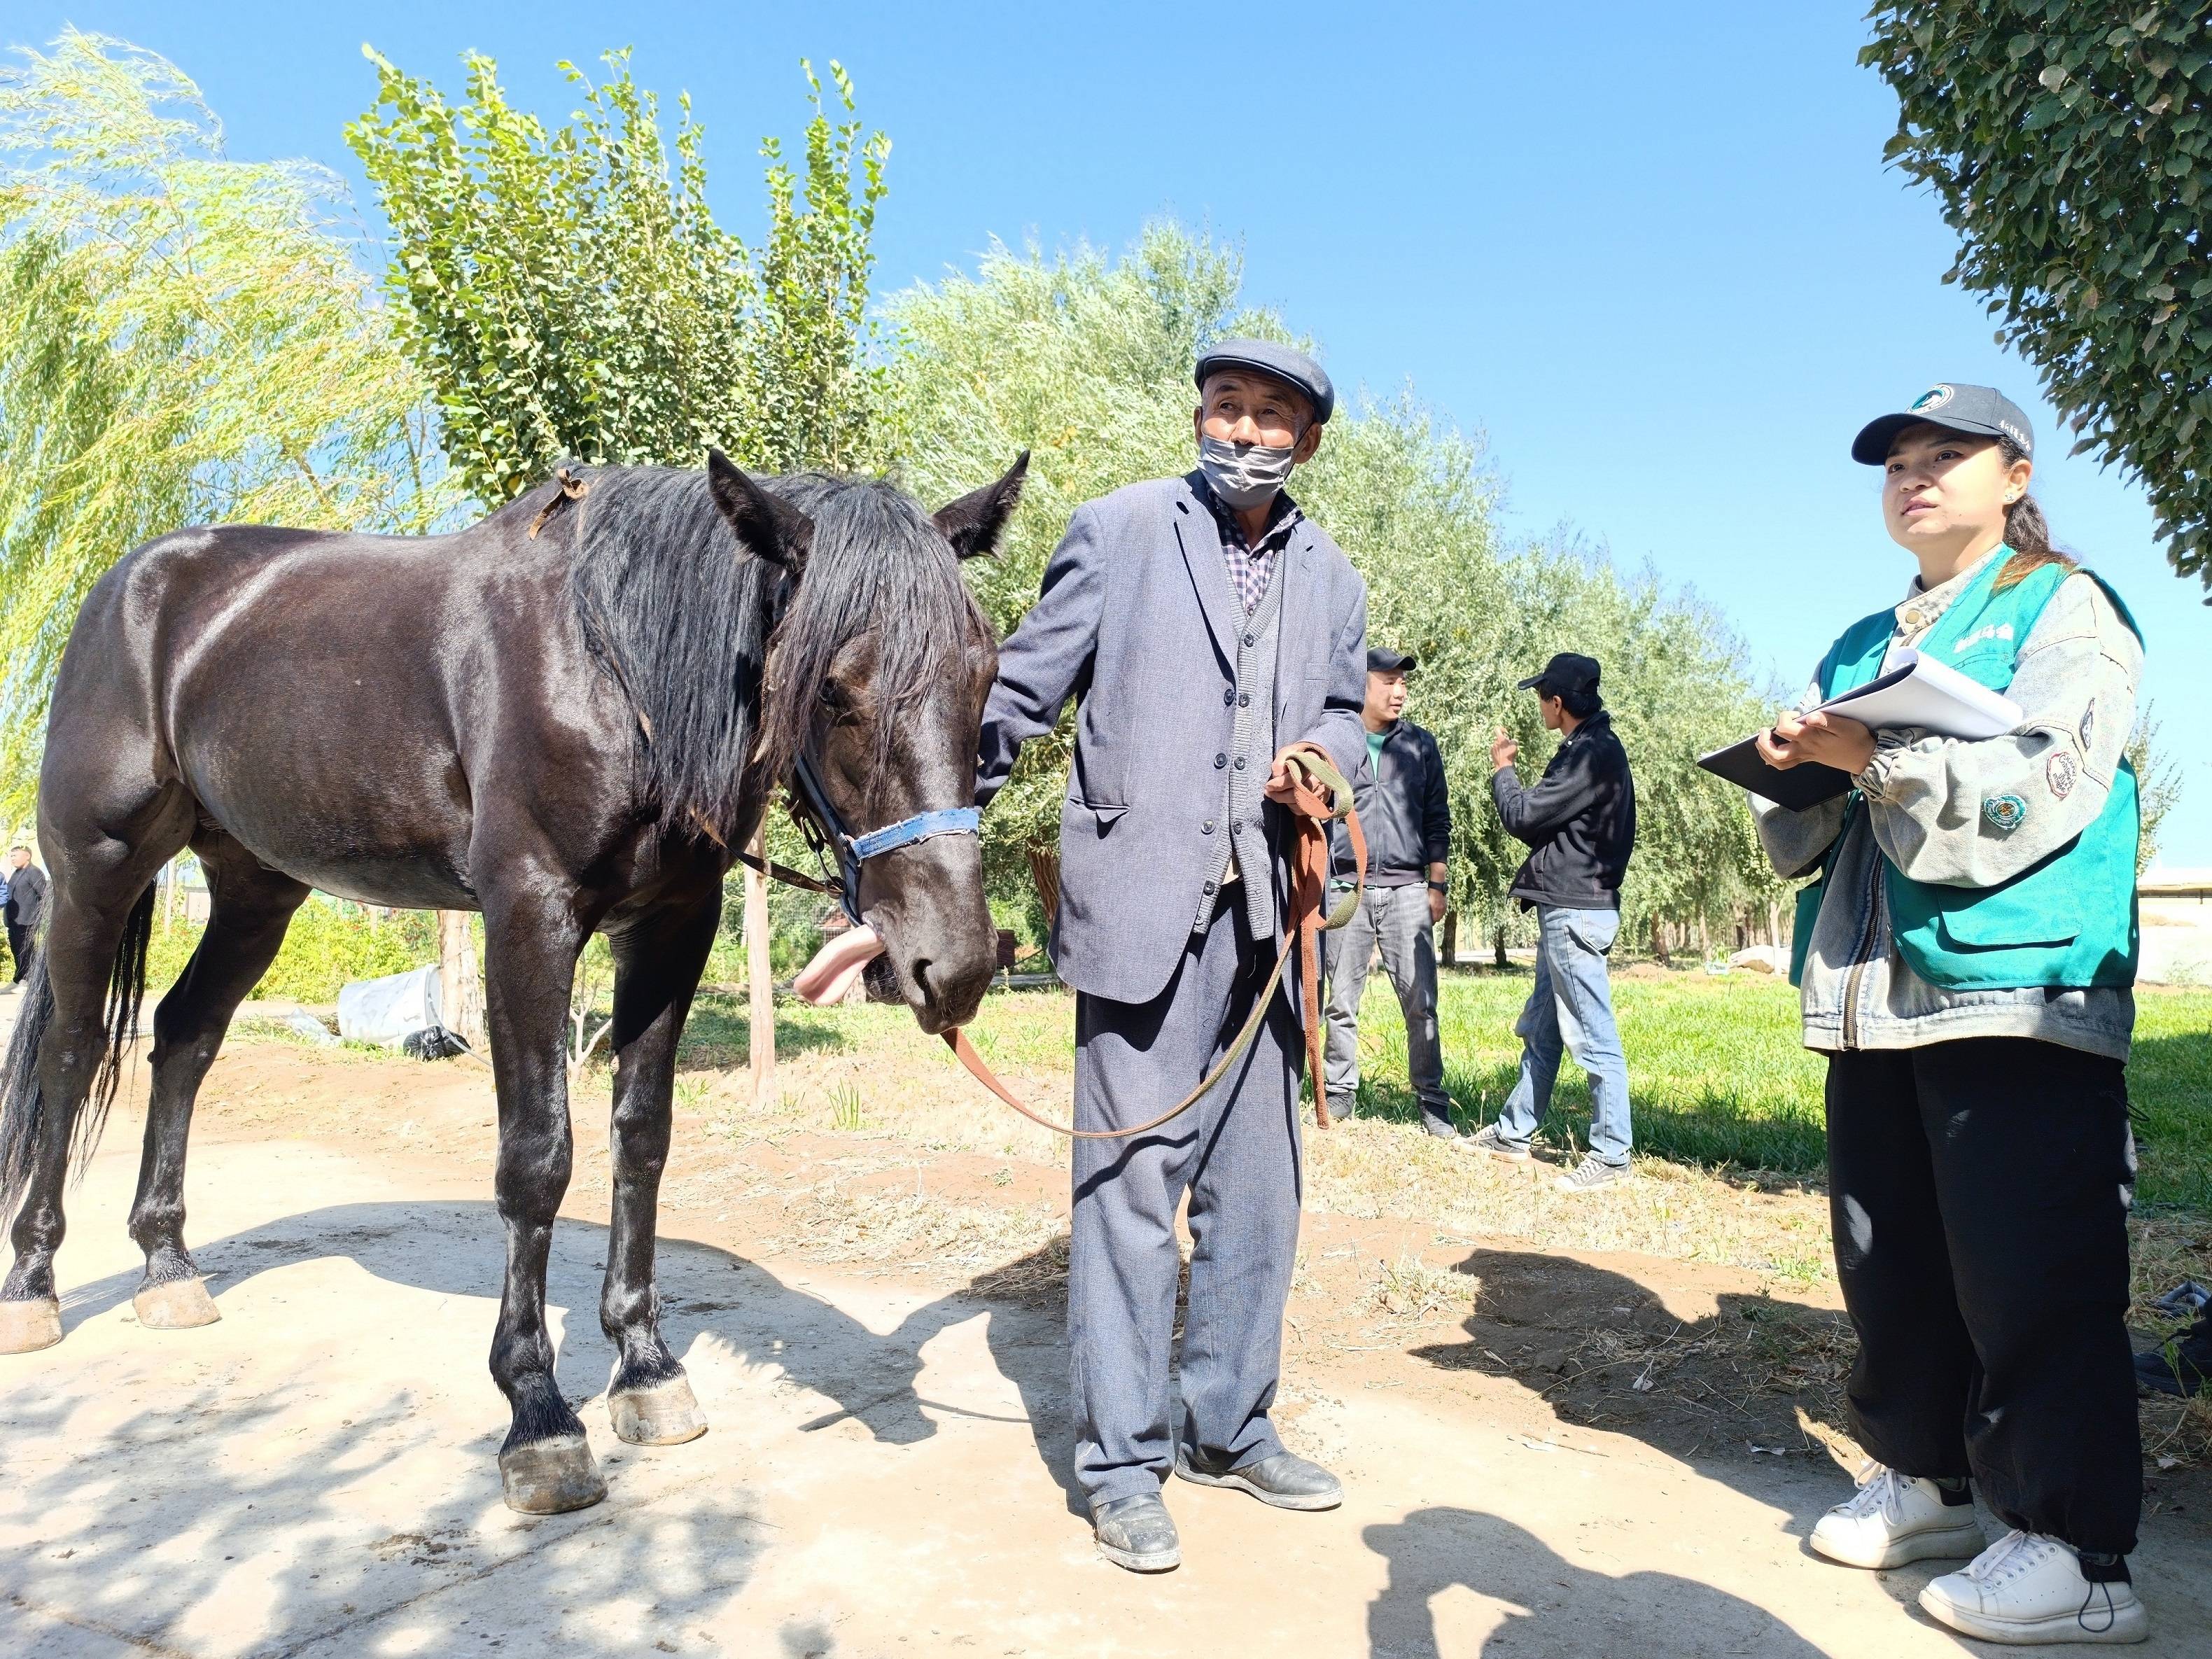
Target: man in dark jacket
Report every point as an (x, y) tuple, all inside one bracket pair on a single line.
[(1406, 816), (26, 907), (1580, 825)]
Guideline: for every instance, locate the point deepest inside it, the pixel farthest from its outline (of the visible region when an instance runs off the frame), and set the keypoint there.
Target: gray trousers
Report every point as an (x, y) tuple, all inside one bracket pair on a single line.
[(1236, 1152), (1397, 918)]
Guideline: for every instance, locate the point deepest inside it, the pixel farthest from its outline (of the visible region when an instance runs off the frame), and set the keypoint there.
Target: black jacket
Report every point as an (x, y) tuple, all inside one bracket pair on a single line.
[(1405, 813), (27, 895), (1580, 819)]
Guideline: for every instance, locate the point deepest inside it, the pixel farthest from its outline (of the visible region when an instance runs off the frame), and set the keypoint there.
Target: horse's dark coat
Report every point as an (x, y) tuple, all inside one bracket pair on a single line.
[(565, 731)]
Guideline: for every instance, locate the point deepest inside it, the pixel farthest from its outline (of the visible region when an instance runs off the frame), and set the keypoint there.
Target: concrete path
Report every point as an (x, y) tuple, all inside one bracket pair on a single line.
[(314, 1476)]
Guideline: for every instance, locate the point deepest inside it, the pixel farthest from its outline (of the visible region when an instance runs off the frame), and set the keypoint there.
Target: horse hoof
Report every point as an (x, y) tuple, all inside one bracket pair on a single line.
[(665, 1414), (551, 1477), (175, 1305), (27, 1326)]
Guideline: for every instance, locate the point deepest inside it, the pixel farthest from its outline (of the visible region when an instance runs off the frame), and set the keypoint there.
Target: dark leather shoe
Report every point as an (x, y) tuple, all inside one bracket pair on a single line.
[(1285, 1481), (1137, 1533)]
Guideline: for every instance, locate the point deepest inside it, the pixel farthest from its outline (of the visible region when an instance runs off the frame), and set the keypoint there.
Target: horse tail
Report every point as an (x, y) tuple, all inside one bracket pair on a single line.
[(23, 1107)]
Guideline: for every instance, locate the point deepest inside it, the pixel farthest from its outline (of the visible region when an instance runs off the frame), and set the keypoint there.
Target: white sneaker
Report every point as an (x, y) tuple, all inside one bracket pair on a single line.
[(2028, 1587), (1895, 1518)]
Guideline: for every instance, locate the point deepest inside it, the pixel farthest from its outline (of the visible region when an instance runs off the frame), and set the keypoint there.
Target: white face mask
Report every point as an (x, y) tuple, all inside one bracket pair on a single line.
[(1244, 476)]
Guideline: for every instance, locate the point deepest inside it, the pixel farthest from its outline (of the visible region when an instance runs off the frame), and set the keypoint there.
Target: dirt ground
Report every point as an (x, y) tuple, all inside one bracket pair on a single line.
[(1545, 1451)]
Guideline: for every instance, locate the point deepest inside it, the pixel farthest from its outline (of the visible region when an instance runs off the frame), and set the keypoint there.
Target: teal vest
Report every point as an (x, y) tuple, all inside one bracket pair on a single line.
[(2069, 920)]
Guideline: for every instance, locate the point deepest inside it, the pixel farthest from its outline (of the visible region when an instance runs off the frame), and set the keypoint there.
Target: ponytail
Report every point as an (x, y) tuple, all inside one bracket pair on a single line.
[(2027, 534)]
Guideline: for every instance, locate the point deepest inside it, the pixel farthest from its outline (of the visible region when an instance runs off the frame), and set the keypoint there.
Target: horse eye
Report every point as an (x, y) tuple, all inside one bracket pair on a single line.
[(834, 695)]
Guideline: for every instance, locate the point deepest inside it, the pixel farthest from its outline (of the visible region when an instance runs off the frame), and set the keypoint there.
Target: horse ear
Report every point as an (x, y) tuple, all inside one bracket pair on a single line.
[(973, 523), (770, 527)]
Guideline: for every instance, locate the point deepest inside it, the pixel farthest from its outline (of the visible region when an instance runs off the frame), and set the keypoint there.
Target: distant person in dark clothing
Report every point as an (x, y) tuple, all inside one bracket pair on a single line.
[(1580, 824), (26, 907), (1406, 815)]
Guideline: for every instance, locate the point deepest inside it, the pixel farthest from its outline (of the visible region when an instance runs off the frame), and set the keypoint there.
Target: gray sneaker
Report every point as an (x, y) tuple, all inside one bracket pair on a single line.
[(1592, 1173), (1137, 1533), (1488, 1140)]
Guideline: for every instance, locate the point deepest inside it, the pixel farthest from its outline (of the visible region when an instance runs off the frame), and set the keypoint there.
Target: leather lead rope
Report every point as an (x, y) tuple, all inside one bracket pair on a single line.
[(1312, 810)]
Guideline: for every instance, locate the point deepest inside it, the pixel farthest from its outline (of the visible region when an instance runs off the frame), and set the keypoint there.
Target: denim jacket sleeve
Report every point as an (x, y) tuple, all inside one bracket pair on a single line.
[(1974, 814), (1794, 840)]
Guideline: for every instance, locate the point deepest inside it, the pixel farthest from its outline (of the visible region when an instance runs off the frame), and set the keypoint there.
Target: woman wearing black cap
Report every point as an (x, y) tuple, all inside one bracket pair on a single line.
[(1966, 959)]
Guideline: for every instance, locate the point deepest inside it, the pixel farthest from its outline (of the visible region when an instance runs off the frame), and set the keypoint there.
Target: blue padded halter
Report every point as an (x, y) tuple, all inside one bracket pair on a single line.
[(945, 821), (852, 851)]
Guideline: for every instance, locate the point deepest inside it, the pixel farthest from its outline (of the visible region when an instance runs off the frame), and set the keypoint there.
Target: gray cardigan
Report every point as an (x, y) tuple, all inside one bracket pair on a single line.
[(1137, 621)]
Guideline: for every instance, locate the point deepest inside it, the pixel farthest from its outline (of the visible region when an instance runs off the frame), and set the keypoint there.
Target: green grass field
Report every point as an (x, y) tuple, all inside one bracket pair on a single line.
[(1716, 1074)]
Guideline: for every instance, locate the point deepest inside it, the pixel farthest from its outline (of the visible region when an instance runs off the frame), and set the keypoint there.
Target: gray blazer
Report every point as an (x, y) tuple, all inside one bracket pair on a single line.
[(1138, 620)]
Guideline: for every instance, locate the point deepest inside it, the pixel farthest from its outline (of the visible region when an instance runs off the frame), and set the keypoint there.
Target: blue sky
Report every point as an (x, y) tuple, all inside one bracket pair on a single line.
[(1651, 251)]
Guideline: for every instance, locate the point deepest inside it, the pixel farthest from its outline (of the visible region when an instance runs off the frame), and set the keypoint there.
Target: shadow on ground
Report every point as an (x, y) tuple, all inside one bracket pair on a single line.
[(1550, 1604), (1724, 1393)]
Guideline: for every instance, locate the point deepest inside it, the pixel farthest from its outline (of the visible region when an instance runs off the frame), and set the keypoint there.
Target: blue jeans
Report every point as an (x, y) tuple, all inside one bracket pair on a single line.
[(1570, 1000)]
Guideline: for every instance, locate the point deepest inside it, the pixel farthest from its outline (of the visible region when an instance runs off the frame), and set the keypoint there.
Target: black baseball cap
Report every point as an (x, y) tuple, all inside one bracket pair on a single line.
[(1567, 672), (1277, 362), (1382, 661), (1981, 409)]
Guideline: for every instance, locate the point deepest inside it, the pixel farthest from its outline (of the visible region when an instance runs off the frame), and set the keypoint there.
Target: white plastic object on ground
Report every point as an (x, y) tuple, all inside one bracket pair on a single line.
[(389, 1010)]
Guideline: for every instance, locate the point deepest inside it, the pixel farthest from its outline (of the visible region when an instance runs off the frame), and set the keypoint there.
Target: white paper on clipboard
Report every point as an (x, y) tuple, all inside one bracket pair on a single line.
[(1923, 692)]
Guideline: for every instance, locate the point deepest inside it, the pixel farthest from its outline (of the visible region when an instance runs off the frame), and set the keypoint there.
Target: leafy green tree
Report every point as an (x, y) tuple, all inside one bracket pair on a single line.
[(568, 297), (183, 337), (2070, 144), (1085, 361)]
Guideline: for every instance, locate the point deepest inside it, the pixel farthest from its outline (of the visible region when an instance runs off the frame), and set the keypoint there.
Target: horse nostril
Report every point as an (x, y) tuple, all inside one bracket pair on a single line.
[(921, 972)]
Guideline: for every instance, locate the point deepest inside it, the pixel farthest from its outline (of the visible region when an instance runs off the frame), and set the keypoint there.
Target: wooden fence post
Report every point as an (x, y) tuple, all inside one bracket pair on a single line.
[(760, 1030)]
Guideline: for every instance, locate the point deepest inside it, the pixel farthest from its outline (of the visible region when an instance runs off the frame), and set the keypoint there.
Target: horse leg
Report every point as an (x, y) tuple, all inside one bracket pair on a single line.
[(657, 968), (57, 1052), (250, 908), (530, 958)]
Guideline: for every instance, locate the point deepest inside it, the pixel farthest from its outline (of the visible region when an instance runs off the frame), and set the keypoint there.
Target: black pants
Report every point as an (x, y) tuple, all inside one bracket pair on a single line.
[(21, 941), (1979, 1190)]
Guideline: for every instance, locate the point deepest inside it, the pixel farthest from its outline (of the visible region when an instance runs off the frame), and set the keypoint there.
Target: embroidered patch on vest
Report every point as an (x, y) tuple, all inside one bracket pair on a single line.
[(2059, 772), (2088, 724), (1986, 631), (2004, 811)]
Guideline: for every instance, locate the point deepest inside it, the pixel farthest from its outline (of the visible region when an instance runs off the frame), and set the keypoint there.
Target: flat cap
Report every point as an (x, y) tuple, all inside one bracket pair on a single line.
[(1280, 362)]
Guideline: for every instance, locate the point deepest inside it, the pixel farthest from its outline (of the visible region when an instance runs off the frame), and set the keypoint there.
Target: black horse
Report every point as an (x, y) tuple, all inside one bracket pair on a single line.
[(567, 717)]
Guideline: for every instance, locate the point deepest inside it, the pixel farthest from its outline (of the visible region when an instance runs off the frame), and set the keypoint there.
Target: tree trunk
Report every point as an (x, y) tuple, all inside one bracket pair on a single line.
[(1044, 870), (1451, 939), (1498, 947), (172, 900), (460, 981), (761, 1031), (1659, 943)]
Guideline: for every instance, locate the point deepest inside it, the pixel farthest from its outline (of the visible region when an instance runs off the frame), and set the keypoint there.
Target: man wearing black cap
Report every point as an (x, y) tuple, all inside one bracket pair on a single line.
[(1205, 625), (1580, 824), (1406, 815)]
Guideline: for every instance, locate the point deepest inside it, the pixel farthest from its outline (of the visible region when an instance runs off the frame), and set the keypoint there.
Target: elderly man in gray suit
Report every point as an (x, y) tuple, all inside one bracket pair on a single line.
[(1205, 625)]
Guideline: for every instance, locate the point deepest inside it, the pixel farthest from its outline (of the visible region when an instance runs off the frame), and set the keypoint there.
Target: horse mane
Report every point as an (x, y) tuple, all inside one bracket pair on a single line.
[(685, 623)]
